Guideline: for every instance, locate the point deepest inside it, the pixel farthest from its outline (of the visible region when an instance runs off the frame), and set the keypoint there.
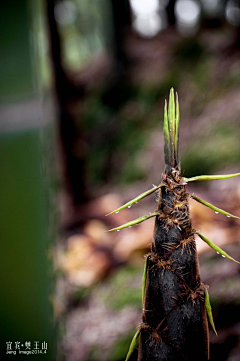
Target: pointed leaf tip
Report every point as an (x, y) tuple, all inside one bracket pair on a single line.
[(136, 199), (215, 247), (171, 112), (171, 131), (177, 129), (132, 345), (167, 144), (144, 279), (209, 310), (216, 209), (135, 221), (210, 177)]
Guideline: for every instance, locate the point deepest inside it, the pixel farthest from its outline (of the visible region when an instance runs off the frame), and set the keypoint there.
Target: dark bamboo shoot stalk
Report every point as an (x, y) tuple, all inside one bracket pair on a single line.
[(174, 324)]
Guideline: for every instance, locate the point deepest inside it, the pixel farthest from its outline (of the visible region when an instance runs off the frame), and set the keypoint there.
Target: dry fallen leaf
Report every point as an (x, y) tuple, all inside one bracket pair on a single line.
[(83, 264)]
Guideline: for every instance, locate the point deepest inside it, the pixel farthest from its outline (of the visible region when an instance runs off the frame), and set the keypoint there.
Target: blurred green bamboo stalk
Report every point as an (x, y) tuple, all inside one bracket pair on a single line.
[(25, 312)]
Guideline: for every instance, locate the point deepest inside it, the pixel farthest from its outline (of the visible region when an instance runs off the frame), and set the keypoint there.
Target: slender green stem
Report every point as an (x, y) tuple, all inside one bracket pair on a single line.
[(167, 148), (132, 345), (210, 177), (215, 247), (135, 221), (171, 124), (177, 129), (216, 209), (144, 279), (137, 199), (171, 131), (209, 310)]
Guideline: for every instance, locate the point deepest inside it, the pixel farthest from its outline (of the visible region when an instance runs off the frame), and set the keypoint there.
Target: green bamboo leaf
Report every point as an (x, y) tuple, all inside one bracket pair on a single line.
[(167, 147), (215, 247), (210, 177), (133, 345), (171, 124), (209, 310), (216, 209), (144, 279), (137, 199), (177, 128), (171, 113), (135, 221)]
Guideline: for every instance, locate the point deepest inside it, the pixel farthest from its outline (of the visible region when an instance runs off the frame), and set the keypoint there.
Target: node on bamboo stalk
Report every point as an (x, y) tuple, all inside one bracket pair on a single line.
[(175, 301)]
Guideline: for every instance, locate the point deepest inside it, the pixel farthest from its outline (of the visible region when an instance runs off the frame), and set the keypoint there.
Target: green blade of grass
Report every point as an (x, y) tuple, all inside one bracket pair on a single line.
[(209, 310), (171, 113), (136, 200), (177, 129), (210, 177), (216, 209), (167, 146), (135, 221), (133, 345), (144, 279), (171, 124), (215, 247)]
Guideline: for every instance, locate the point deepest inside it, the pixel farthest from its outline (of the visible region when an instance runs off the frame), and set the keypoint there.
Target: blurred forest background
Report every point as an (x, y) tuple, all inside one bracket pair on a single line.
[(83, 84)]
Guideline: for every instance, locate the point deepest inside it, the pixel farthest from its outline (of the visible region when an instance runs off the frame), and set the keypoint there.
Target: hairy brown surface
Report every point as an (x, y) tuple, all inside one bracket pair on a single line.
[(174, 324)]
